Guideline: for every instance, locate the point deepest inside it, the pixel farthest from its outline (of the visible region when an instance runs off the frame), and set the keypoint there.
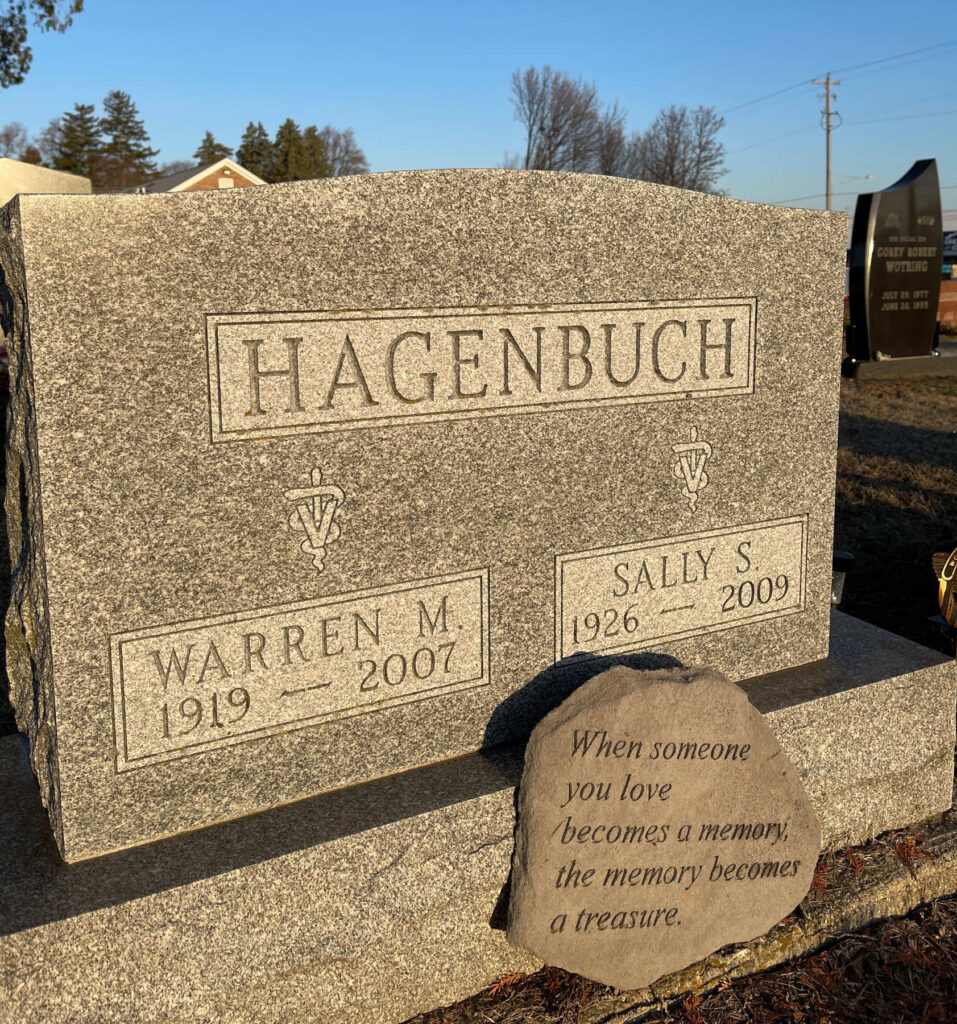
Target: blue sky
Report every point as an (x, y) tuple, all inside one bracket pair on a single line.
[(427, 84)]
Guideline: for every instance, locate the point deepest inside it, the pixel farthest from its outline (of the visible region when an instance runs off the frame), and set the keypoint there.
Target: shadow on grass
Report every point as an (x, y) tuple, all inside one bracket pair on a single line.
[(867, 436), (895, 522)]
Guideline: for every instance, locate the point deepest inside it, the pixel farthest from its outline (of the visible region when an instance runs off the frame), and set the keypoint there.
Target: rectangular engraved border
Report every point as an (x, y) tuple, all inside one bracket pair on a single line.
[(123, 763), (562, 559), (219, 435)]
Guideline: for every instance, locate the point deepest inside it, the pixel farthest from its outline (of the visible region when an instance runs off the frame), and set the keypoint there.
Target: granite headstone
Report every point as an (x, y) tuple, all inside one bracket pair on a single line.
[(316, 482), (895, 267)]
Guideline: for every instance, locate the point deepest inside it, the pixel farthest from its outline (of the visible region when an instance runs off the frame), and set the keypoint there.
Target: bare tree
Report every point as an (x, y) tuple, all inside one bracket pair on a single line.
[(174, 167), (568, 129), (681, 148), (614, 153), (342, 152), (562, 119), (14, 139)]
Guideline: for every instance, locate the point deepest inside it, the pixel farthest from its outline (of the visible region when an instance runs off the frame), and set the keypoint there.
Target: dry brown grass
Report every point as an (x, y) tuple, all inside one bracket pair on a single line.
[(895, 972), (897, 498)]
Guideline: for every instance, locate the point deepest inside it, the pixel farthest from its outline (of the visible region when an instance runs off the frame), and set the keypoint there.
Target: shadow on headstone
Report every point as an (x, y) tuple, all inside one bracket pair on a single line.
[(37, 887), (522, 710)]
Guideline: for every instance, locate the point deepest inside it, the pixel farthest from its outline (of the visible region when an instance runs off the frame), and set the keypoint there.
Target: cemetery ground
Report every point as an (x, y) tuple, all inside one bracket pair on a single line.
[(896, 501)]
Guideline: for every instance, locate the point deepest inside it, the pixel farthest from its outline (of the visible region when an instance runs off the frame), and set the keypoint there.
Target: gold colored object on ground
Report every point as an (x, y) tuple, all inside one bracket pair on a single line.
[(945, 568)]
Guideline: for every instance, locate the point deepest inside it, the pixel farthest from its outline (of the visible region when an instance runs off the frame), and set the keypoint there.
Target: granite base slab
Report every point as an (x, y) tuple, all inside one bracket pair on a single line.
[(382, 900)]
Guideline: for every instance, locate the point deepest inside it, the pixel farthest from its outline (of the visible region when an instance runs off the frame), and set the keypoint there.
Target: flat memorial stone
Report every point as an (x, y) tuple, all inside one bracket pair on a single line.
[(658, 820), (312, 483)]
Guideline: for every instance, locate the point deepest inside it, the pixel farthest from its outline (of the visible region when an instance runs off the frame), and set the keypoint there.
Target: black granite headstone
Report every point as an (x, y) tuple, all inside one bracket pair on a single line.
[(895, 267)]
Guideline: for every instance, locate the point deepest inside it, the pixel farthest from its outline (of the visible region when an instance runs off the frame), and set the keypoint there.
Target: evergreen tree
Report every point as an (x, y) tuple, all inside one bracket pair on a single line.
[(210, 150), (317, 161), (127, 157), (255, 151), (290, 158), (78, 145), (48, 141)]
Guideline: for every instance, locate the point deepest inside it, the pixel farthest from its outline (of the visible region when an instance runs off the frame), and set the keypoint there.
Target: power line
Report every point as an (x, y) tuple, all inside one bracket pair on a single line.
[(898, 106), (938, 49), (905, 117), (821, 195), (898, 65), (798, 199), (875, 120), (890, 63), (896, 56), (767, 96), (765, 142)]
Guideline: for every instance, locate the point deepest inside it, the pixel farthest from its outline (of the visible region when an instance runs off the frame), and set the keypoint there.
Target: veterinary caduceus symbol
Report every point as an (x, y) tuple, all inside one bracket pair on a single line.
[(315, 514), (690, 459)]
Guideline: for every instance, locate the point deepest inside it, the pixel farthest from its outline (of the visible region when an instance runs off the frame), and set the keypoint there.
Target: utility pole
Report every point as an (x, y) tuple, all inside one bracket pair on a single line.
[(828, 114)]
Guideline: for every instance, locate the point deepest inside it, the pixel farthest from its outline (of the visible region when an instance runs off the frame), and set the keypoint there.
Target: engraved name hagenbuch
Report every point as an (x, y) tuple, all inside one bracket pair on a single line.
[(256, 673), (288, 373)]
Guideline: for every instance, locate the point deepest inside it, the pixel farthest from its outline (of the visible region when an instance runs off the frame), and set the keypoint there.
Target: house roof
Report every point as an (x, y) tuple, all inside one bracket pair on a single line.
[(182, 179)]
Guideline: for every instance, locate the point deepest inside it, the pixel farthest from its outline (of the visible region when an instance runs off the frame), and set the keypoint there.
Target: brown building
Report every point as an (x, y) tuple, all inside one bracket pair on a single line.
[(225, 173)]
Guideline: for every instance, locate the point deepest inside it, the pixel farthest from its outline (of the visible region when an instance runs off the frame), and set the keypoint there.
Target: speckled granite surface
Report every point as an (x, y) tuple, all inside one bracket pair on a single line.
[(190, 492), (386, 899)]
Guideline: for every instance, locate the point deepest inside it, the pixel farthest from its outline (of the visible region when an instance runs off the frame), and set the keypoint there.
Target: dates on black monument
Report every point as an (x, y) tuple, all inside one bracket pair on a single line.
[(895, 267)]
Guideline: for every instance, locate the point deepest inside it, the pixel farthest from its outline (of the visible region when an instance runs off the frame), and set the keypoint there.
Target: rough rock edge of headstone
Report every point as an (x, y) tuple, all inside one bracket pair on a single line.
[(27, 627), (886, 887), (611, 687)]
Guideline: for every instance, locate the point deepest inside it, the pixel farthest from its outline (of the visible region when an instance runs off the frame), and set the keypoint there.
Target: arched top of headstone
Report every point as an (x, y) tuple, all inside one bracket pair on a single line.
[(895, 267)]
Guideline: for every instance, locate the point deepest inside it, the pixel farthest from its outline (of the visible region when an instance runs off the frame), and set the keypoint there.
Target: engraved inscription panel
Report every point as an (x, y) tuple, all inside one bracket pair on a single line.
[(188, 687), (283, 373), (628, 597)]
